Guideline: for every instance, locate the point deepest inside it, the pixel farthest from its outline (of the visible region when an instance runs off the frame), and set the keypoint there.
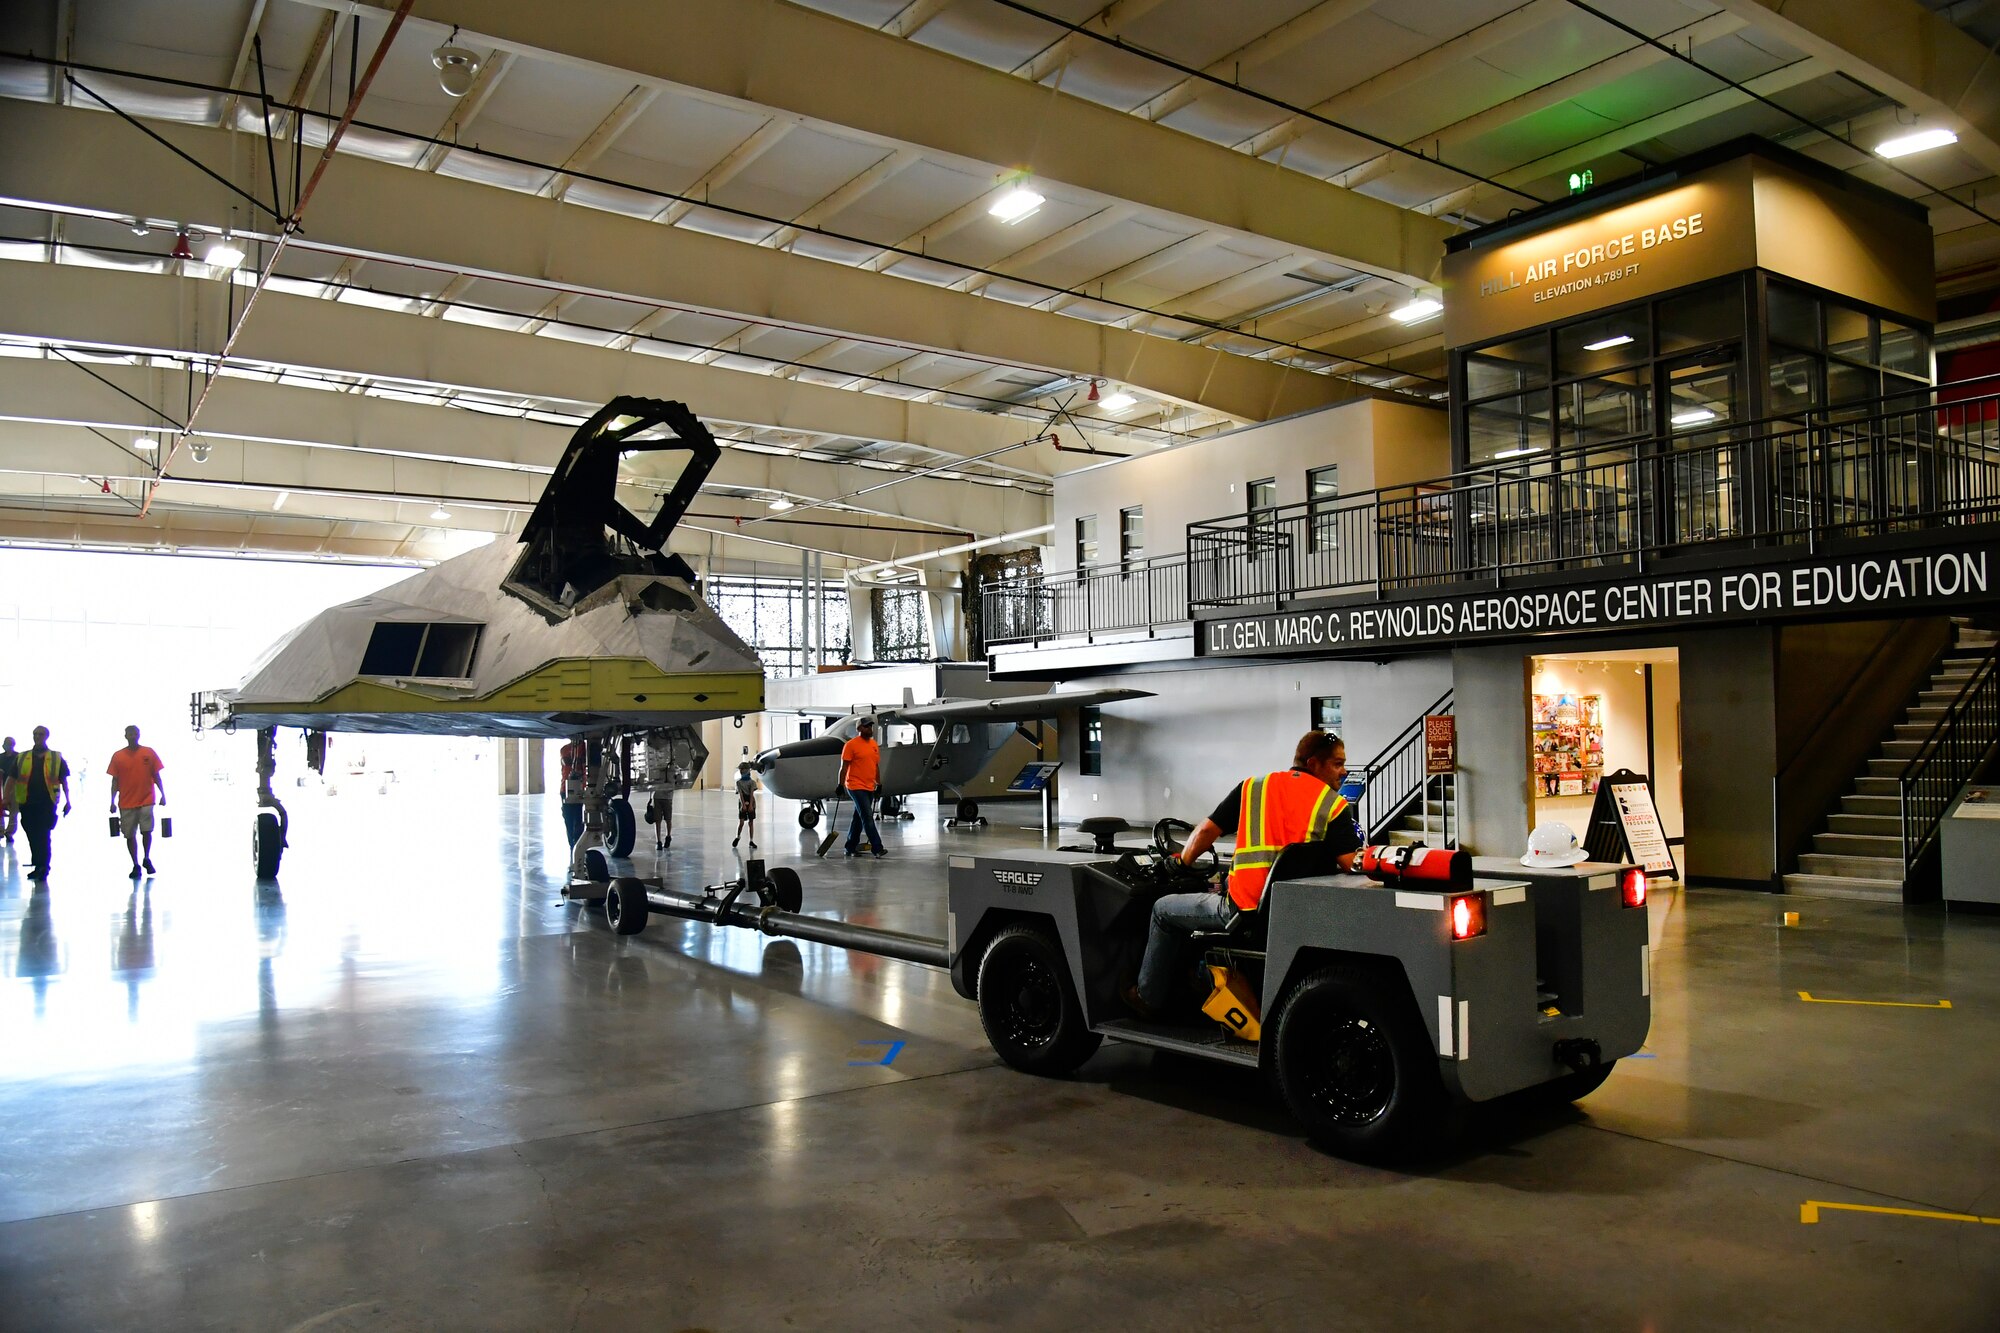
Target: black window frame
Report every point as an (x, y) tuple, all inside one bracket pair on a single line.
[(1090, 741), (1129, 554), (1083, 563)]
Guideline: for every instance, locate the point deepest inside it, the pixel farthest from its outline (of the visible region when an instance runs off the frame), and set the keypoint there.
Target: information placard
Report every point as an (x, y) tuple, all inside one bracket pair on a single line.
[(1440, 744), (1641, 822)]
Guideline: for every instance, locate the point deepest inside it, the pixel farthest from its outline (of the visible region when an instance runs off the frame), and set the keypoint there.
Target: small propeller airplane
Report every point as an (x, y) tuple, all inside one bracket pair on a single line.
[(938, 746)]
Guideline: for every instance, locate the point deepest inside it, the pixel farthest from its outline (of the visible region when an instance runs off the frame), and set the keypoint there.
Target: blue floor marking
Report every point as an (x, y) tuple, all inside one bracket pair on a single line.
[(895, 1049)]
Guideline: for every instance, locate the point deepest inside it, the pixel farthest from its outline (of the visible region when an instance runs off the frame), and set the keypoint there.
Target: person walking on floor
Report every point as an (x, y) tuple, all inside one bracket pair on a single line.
[(135, 773), (746, 805), (860, 767), (574, 755), (44, 773), (11, 790)]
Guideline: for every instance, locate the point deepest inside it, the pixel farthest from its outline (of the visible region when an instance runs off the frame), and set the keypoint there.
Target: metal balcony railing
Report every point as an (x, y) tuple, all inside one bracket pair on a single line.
[(1962, 744), (1100, 599), (1396, 780), (1904, 463)]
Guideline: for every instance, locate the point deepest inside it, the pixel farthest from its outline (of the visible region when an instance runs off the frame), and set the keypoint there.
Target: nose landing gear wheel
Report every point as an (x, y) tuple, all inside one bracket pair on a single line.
[(968, 811), (808, 816), (267, 844), (623, 833), (595, 868), (786, 888)]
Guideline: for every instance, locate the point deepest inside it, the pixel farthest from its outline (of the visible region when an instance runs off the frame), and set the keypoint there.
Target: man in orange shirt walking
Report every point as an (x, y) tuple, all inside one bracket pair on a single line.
[(860, 767), (135, 773)]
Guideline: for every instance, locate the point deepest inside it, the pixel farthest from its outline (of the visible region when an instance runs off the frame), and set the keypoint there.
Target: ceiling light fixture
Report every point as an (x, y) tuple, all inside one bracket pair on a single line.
[(1905, 144), (182, 248), (224, 254), (1693, 416), (279, 503), (1516, 453), (200, 451), (1604, 344), (440, 513), (145, 444), (1419, 308), (1016, 205), (457, 67), (1117, 402), (780, 505)]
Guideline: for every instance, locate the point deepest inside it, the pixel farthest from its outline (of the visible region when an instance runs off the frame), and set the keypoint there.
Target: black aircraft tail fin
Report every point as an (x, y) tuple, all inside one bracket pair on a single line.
[(580, 537)]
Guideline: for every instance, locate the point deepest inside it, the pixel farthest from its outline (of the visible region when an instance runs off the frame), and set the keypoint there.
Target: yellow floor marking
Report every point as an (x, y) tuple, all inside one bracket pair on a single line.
[(1809, 1212), (1810, 998)]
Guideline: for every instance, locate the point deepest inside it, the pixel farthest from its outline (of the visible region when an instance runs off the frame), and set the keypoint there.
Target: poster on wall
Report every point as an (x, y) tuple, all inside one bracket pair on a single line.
[(1567, 744)]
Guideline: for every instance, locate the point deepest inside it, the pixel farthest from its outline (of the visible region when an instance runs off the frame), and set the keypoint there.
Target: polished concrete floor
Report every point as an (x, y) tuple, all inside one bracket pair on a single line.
[(411, 1089)]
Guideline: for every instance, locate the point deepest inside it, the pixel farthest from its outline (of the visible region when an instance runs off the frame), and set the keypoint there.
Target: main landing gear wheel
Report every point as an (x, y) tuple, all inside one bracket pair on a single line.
[(1028, 1005), (786, 888), (625, 906), (596, 868), (808, 816), (968, 811), (1355, 1066), (892, 806), (267, 844), (623, 832)]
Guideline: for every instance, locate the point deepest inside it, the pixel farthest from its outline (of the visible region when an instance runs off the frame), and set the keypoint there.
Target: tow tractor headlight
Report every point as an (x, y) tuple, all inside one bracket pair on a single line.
[(1632, 889), (1468, 916)]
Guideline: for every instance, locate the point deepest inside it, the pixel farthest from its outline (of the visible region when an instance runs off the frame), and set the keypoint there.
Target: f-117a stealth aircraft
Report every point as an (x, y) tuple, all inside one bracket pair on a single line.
[(937, 746), (588, 627)]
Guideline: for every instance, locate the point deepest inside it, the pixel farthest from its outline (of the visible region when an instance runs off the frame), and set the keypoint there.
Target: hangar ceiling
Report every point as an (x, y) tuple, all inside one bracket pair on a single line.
[(782, 213)]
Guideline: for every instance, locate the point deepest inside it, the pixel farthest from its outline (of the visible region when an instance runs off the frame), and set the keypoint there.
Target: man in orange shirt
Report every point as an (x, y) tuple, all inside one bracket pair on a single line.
[(135, 772), (860, 767)]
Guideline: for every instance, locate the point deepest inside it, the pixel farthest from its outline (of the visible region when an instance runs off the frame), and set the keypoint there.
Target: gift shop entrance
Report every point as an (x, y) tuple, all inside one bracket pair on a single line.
[(1595, 714)]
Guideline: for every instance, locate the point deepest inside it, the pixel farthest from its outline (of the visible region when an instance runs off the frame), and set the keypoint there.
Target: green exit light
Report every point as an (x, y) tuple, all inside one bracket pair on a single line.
[(1579, 181)]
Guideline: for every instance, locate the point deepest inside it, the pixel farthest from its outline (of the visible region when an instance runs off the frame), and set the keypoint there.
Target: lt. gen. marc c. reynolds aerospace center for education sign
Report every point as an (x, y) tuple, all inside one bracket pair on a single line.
[(1884, 584)]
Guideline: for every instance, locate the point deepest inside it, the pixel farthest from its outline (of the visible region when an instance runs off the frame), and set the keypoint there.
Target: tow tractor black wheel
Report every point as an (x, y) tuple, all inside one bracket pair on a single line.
[(1574, 1087), (808, 816), (1028, 1005), (786, 889), (625, 906), (968, 810), (1355, 1066), (595, 868), (623, 830), (267, 844)]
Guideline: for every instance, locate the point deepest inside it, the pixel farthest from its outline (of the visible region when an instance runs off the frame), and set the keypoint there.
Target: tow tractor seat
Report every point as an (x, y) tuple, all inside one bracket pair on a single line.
[(1297, 860), (1103, 831)]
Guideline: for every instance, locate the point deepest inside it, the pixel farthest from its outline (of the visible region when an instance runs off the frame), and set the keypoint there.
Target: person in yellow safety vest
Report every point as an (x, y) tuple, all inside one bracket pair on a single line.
[(1267, 814), (44, 772)]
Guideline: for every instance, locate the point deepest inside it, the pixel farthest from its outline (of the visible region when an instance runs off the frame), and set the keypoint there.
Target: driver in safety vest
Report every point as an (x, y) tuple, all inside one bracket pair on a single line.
[(1267, 814)]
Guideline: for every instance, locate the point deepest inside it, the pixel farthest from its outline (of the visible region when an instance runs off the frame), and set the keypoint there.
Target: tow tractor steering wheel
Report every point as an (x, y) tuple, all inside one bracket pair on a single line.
[(1167, 846)]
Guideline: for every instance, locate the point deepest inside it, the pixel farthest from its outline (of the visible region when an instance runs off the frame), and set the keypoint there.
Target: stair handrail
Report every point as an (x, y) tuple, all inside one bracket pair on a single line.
[(1395, 753), (1961, 743)]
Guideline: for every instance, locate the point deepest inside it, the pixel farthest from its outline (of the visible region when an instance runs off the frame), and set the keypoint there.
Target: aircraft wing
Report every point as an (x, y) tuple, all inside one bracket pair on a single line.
[(1024, 708)]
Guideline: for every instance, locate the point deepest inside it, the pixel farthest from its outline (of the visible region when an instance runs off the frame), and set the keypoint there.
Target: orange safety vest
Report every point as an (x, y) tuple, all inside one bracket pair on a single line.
[(1278, 809)]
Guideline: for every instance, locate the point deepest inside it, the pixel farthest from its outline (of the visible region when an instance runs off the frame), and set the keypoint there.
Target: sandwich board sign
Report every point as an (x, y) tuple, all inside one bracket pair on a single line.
[(1625, 825)]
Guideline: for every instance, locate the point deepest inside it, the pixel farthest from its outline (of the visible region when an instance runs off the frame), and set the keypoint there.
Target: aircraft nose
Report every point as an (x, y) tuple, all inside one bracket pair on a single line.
[(766, 761)]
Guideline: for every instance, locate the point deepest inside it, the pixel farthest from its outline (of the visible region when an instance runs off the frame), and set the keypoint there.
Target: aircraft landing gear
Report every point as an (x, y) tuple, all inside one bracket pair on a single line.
[(896, 807), (622, 827), (809, 815), (967, 812), (267, 835)]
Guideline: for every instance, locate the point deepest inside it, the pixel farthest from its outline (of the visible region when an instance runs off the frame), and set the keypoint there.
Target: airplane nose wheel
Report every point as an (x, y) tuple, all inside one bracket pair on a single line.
[(809, 816)]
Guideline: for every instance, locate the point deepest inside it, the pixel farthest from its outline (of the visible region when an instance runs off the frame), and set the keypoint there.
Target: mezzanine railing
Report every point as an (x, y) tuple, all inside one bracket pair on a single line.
[(1396, 780), (1957, 749), (1905, 463), (1100, 599)]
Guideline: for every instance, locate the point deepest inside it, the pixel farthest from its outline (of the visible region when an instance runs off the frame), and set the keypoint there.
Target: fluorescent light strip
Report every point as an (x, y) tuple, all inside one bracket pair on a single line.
[(1694, 416), (1423, 307), (1516, 453), (1016, 204), (1904, 145), (1605, 344)]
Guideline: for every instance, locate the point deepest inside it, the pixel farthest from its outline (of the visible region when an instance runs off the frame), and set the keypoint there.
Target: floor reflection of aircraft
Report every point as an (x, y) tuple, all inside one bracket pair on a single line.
[(588, 628), (937, 747)]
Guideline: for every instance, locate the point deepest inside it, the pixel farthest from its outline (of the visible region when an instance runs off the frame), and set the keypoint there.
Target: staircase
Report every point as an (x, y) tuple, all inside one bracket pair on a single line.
[(1442, 805), (1861, 853)]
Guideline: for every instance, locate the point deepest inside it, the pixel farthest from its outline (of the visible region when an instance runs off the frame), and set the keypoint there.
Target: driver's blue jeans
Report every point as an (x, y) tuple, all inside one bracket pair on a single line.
[(1175, 917)]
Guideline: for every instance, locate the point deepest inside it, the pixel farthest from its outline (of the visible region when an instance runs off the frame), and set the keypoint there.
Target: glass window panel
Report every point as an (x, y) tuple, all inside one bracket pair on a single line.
[(1132, 534), (1086, 541), (1326, 713), (1794, 316), (1702, 395), (1263, 494), (1794, 382), (1605, 408), (1847, 333), (1905, 349), (1508, 428), (1508, 367), (1322, 491), (1597, 345), (1709, 314), (1847, 383)]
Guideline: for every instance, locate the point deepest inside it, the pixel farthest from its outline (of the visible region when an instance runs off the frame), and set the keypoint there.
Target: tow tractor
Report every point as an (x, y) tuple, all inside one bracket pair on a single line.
[(1381, 1005)]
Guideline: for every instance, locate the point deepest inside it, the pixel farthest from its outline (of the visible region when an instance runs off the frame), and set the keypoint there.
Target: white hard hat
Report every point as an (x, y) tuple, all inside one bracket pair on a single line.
[(1552, 845)]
